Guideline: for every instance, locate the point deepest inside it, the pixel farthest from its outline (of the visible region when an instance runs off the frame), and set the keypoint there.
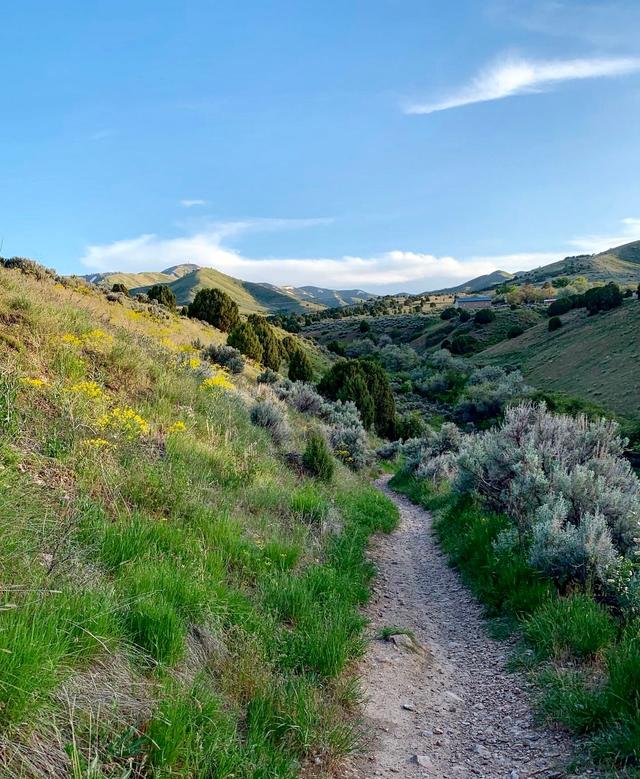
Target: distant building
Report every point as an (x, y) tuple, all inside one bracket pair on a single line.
[(549, 301), (473, 302)]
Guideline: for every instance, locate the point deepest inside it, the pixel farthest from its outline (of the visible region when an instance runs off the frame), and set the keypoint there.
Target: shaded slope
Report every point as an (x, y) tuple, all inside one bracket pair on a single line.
[(595, 357)]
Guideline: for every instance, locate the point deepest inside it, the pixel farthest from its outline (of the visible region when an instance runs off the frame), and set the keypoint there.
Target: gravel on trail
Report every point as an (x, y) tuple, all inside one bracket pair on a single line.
[(442, 705)]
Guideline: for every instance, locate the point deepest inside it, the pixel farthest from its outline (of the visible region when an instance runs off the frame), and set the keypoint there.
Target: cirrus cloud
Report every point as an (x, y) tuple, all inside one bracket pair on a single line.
[(512, 76)]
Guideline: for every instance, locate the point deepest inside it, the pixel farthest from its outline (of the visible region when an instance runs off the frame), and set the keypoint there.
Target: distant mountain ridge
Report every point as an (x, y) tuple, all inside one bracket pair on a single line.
[(252, 297), (620, 264), (478, 284)]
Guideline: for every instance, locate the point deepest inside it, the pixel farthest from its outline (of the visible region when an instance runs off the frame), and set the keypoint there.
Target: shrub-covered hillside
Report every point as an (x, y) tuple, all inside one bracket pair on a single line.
[(180, 595), (595, 357)]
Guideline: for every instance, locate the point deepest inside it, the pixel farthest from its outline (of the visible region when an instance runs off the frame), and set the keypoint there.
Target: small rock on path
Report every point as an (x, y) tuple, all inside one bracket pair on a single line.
[(451, 710)]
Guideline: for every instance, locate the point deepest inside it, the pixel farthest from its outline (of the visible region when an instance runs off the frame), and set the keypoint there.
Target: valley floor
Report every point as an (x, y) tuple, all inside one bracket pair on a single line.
[(446, 707)]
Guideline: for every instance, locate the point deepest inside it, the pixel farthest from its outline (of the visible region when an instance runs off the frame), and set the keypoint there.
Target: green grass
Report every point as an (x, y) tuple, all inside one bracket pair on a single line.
[(190, 578), (593, 357), (575, 626), (584, 661)]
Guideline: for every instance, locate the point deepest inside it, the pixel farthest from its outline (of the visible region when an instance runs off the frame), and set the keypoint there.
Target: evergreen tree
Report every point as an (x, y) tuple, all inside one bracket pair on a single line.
[(384, 404), (162, 294), (290, 345), (244, 339), (214, 306), (300, 368), (271, 349), (346, 380)]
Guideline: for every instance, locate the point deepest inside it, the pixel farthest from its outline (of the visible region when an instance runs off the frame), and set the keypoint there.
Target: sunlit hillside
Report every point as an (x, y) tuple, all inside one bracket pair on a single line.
[(180, 595), (594, 357)]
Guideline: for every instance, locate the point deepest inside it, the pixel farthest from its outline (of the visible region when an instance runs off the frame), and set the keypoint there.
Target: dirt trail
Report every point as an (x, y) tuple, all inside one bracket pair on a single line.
[(450, 710)]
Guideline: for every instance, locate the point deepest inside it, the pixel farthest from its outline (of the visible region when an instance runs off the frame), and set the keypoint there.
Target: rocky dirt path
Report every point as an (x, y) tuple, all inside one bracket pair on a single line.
[(449, 709)]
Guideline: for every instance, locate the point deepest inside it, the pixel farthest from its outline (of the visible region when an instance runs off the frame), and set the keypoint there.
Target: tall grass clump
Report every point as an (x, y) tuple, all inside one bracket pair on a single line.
[(575, 626), (317, 458)]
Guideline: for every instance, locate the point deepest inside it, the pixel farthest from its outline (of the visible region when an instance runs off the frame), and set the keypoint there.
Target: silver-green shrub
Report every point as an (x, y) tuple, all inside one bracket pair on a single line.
[(563, 481), (267, 414)]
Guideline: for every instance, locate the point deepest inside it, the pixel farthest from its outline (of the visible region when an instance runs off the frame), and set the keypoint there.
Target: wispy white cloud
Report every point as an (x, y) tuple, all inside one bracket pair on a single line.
[(383, 272), (394, 270), (588, 244), (192, 203), (511, 77)]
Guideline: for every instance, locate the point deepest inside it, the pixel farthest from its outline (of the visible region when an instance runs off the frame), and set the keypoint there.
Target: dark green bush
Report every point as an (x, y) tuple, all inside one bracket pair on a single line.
[(515, 331), (244, 339), (163, 294), (300, 368), (366, 383), (317, 458), (464, 344), (555, 323), (118, 287), (272, 351), (337, 347), (214, 306), (449, 313), (484, 316)]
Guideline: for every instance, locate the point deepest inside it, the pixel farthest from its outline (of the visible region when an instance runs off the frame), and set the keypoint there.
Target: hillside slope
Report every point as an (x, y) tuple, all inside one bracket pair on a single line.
[(595, 357), (252, 297), (178, 599), (479, 283), (620, 264)]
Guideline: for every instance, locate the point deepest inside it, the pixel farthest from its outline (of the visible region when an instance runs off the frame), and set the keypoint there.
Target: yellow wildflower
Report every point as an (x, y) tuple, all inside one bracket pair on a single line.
[(219, 381), (34, 382), (96, 337), (71, 339), (125, 422), (194, 362), (88, 388), (98, 443), (169, 344), (177, 427)]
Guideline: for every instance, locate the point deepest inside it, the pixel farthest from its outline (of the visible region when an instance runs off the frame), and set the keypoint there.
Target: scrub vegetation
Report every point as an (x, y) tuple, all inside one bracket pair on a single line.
[(180, 595)]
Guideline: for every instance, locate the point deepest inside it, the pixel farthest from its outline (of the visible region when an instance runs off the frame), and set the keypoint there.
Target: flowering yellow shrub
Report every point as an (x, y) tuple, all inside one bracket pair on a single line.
[(71, 339), (98, 443), (96, 337), (34, 382), (123, 422), (87, 388), (177, 427), (92, 339), (219, 381), (169, 344), (344, 455)]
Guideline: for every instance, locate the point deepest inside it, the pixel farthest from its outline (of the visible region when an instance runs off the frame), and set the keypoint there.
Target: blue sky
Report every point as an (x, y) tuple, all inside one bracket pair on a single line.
[(384, 144)]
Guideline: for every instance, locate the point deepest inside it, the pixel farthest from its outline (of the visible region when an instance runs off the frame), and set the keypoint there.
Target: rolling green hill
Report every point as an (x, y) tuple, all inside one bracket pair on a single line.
[(620, 264), (596, 358), (252, 297)]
